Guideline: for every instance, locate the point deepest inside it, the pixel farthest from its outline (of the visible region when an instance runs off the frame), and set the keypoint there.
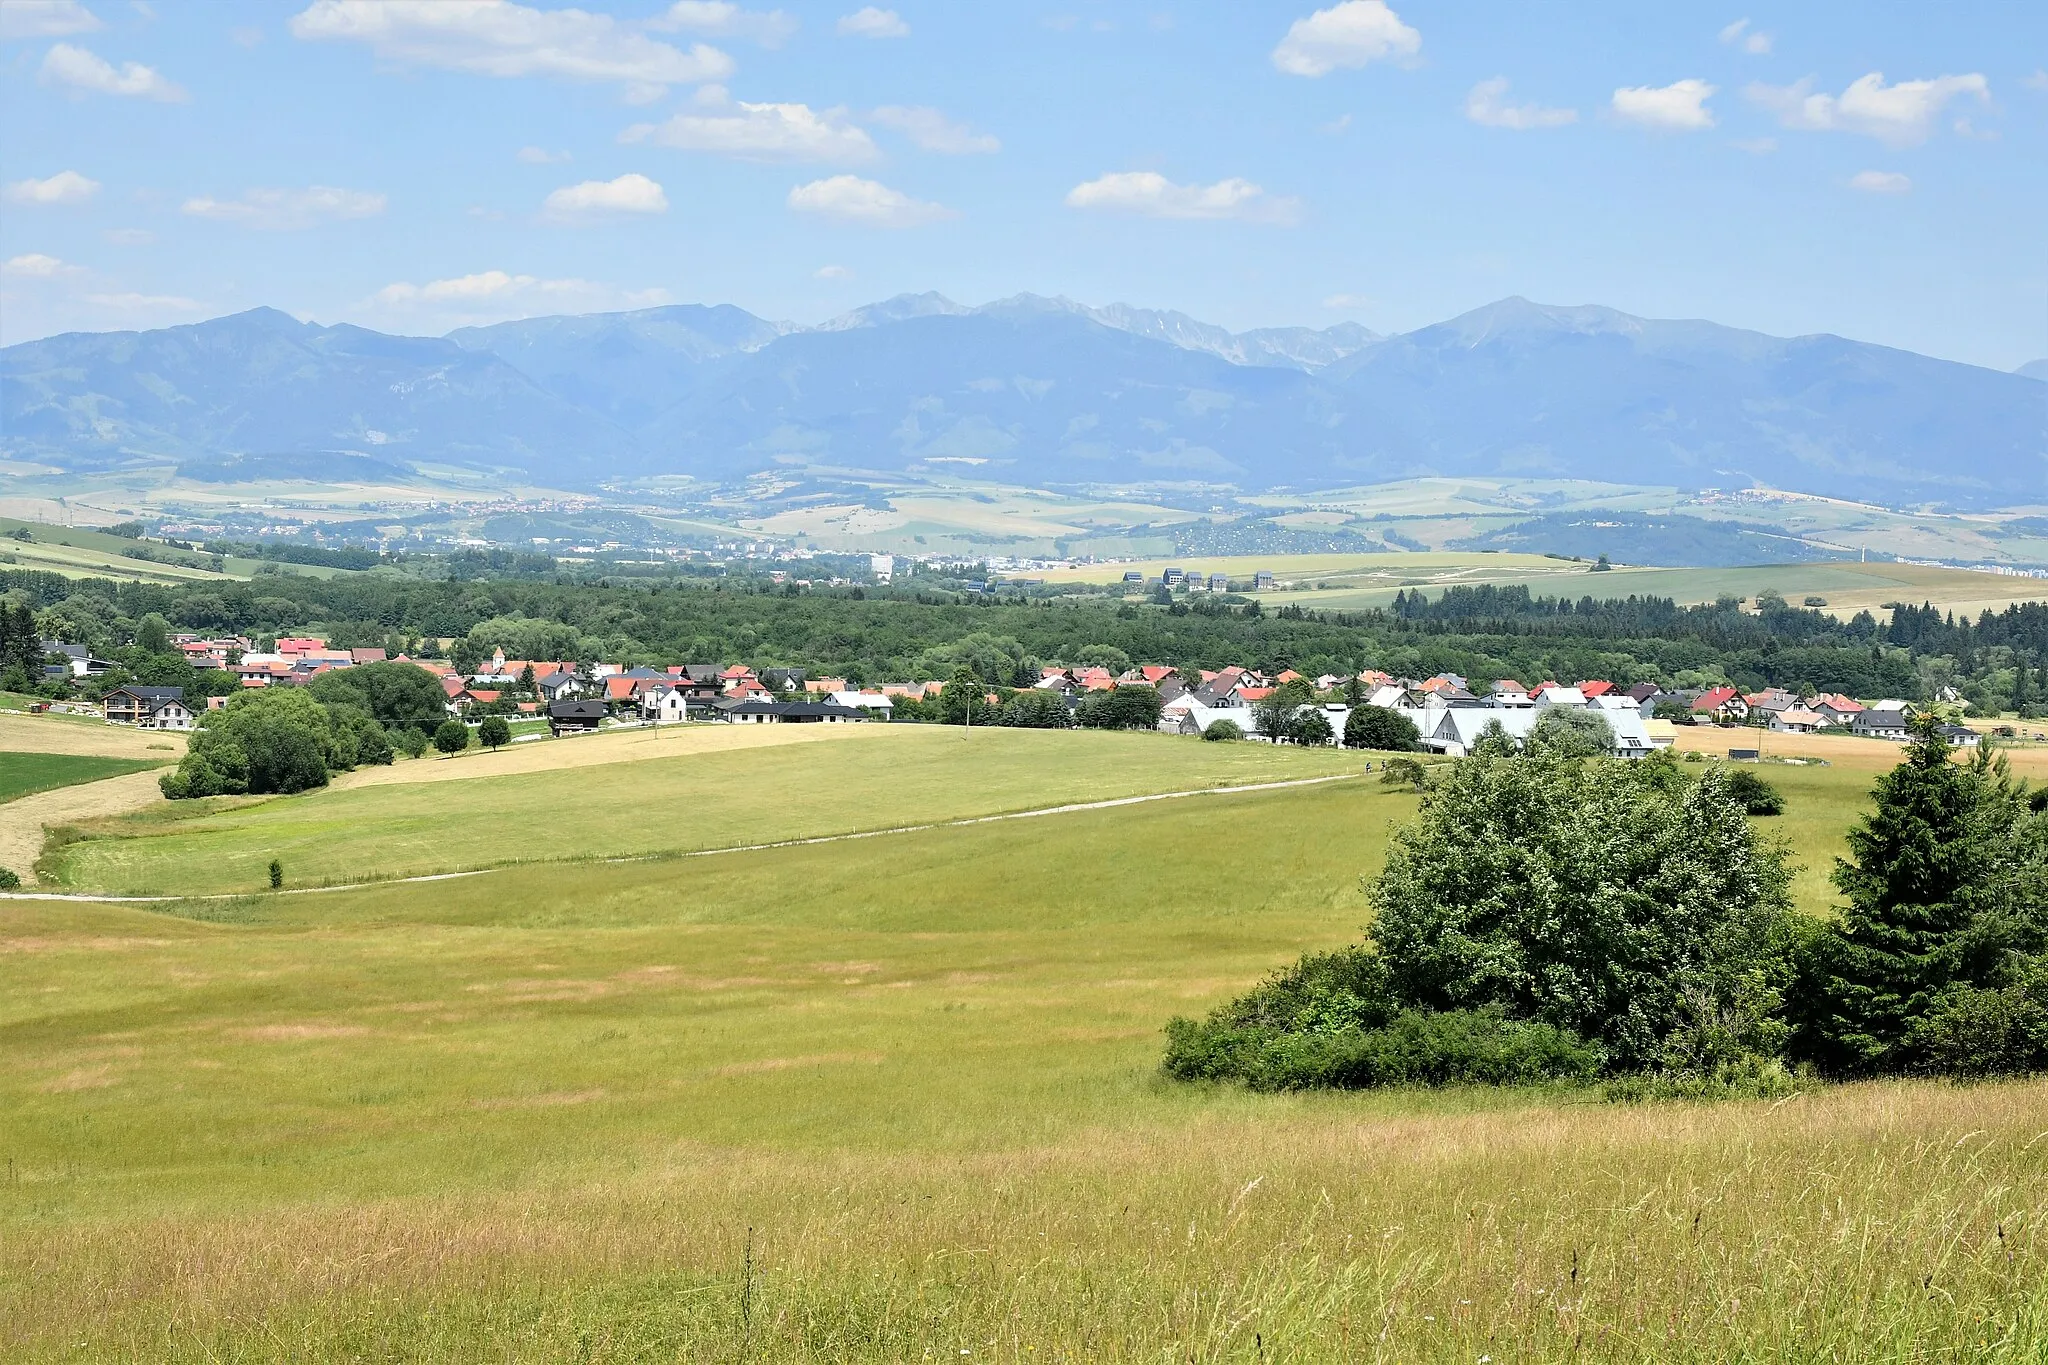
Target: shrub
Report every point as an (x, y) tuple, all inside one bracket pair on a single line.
[(452, 737), (1223, 730), (1976, 1031), (1753, 794), (411, 742), (1585, 895), (1415, 1047), (9, 879), (1397, 772)]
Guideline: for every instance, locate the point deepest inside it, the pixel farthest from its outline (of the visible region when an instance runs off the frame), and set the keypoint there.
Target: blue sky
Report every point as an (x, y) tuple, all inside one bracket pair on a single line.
[(1875, 170)]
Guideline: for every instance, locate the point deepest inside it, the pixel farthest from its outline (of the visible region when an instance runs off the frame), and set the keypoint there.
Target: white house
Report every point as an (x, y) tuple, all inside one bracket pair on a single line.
[(865, 701), (1797, 720), (1456, 730), (169, 714), (664, 705), (1560, 696)]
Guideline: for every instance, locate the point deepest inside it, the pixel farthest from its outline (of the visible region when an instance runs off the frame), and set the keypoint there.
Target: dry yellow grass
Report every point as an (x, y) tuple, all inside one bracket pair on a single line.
[(585, 751), (1840, 750), (1882, 1222), (21, 733), (25, 823)]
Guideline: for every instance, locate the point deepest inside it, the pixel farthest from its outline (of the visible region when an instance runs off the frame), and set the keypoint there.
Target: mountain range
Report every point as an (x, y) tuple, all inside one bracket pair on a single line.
[(1045, 391)]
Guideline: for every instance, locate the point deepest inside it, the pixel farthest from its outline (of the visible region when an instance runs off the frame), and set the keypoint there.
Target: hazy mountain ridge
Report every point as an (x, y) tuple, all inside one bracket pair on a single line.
[(1049, 390)]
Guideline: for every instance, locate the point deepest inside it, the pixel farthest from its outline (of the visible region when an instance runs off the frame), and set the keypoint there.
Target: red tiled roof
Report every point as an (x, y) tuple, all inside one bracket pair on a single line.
[(1595, 688)]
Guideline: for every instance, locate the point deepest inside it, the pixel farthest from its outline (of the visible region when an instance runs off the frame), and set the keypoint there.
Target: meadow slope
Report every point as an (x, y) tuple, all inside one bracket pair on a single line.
[(897, 1098)]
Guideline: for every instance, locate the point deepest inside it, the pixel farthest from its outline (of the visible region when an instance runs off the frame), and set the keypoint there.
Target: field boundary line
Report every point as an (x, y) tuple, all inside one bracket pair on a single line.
[(1068, 809)]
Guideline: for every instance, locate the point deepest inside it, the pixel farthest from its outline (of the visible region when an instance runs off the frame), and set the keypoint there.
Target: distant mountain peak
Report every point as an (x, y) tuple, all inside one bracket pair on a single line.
[(2034, 369), (901, 308), (1517, 314)]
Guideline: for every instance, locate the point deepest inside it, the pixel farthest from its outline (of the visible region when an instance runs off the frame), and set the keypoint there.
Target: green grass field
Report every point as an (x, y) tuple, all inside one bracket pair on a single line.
[(896, 1099), (21, 774), (879, 778)]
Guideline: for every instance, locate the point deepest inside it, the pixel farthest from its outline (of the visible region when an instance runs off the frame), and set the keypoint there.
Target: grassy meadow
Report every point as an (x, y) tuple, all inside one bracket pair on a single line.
[(23, 774), (896, 1098), (861, 778)]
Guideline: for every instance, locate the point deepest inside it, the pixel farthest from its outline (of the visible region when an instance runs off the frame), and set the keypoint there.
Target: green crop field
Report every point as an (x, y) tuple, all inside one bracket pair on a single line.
[(896, 1098), (21, 774)]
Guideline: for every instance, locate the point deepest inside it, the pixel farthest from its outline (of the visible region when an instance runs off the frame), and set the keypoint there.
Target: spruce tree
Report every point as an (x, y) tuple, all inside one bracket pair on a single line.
[(1929, 886)]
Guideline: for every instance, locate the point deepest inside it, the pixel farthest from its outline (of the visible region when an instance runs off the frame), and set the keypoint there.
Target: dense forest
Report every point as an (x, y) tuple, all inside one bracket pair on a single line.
[(876, 634)]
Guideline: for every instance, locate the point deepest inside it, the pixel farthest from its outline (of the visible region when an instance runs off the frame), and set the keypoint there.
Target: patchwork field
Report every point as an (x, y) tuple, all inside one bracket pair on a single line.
[(895, 1097), (1340, 582)]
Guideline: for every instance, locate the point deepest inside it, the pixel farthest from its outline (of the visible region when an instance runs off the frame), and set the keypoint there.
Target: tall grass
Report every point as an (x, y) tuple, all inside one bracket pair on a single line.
[(1863, 1224)]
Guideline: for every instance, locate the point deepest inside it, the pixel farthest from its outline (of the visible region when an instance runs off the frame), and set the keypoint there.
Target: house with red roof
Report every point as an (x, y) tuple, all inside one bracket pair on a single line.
[(1723, 704)]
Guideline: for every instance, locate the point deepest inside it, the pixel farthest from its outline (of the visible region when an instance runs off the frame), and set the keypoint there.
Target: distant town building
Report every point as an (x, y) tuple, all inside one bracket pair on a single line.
[(1262, 581), (883, 567), (1173, 578)]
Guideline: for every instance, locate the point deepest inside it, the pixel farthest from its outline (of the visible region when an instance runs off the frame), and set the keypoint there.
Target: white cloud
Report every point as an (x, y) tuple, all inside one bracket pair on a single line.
[(630, 193), (723, 19), (1880, 182), (36, 266), (762, 132), (1486, 105), (870, 22), (82, 69), (499, 38), (2037, 81), (541, 156), (45, 19), (1753, 41), (128, 236), (1351, 34), (832, 272), (934, 132), (287, 210), (496, 295), (851, 199), (1897, 115), (1151, 195), (1680, 106), (65, 187)]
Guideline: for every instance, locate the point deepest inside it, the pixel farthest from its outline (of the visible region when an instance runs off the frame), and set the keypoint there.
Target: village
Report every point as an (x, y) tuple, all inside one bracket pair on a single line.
[(1450, 713)]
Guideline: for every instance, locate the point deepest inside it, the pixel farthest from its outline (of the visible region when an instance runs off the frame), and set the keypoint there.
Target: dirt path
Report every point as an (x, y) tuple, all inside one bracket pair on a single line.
[(22, 822)]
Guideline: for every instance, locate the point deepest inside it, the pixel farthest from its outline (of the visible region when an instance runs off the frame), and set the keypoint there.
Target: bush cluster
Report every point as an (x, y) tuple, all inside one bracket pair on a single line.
[(1549, 918)]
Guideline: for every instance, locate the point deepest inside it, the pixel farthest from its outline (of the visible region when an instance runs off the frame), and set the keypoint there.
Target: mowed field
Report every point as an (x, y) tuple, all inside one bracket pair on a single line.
[(896, 1098)]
